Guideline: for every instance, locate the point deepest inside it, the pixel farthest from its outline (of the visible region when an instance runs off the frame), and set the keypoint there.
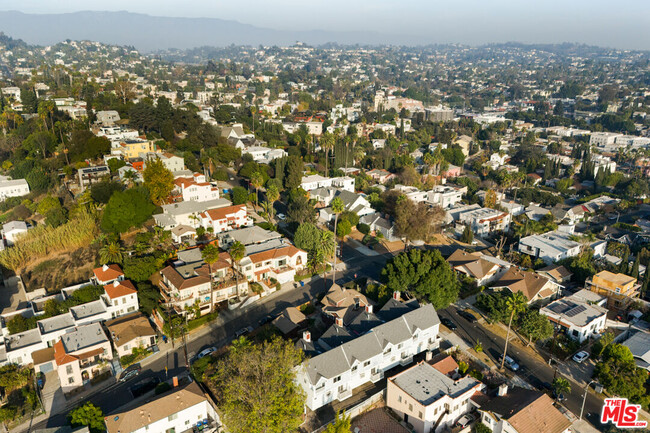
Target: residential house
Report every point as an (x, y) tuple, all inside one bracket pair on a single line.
[(279, 261), (352, 202), (536, 288), (334, 374), (90, 175), (535, 212), (236, 131), (557, 273), (576, 317), (130, 332), (13, 230), (107, 117), (620, 289), (81, 355), (183, 233), (380, 175), (513, 208), (122, 296), (107, 274), (226, 218), (446, 196), (464, 142), (12, 187), (344, 304), (195, 188), (132, 148), (253, 235), (521, 411), (429, 400), (187, 213), (171, 162), (551, 247), (639, 345), (482, 268), (182, 409), (379, 224), (264, 155), (290, 320), (315, 181), (482, 221)]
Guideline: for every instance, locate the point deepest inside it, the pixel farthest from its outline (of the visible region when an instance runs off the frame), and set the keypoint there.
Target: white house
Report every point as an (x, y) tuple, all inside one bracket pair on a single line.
[(195, 188), (334, 374), (550, 247), (280, 262), (12, 187), (264, 154), (428, 399), (187, 212), (184, 408), (576, 316), (482, 220), (226, 218), (13, 230), (315, 181)]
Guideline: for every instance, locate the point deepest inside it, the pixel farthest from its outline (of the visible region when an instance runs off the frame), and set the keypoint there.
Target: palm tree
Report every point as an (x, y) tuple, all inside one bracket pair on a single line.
[(272, 195), (237, 251), (337, 208), (130, 176), (111, 252), (210, 255), (256, 181), (327, 142), (515, 304), (561, 386)]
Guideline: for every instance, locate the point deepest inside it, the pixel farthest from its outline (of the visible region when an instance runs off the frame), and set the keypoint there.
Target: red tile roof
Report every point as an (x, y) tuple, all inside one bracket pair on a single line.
[(108, 272), (120, 288), (60, 356), (224, 212)]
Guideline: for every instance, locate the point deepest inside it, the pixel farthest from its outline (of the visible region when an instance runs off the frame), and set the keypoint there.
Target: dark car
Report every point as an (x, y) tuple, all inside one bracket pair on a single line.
[(130, 372), (266, 319), (144, 386), (448, 323), (467, 316)]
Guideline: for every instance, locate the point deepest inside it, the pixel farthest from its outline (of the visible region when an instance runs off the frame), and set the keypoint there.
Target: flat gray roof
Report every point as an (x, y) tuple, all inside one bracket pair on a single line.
[(191, 206), (83, 336), (56, 323), (426, 384), (23, 339), (88, 310)]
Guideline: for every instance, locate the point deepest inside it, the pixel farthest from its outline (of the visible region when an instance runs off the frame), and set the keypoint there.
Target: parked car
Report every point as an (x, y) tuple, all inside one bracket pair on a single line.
[(243, 331), (580, 356), (281, 216), (266, 319), (206, 352), (130, 372), (465, 420), (448, 323), (467, 316), (510, 363)]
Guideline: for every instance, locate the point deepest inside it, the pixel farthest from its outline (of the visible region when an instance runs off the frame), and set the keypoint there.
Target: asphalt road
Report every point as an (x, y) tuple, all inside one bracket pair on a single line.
[(532, 369), (118, 393)]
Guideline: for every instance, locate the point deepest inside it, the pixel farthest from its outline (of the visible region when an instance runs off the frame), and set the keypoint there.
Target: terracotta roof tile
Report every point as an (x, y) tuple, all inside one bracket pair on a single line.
[(120, 288)]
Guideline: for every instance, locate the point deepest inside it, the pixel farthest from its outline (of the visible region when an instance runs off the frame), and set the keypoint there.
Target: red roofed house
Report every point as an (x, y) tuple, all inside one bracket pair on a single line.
[(226, 218), (81, 355), (107, 274), (122, 297), (195, 188), (280, 263)]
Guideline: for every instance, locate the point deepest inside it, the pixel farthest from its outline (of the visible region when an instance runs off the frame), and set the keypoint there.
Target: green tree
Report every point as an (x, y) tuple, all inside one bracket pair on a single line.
[(344, 228), (535, 326), (140, 269), (237, 252), (13, 376), (515, 304), (111, 252), (126, 209), (88, 415), (342, 424), (239, 195), (598, 348), (468, 235), (561, 386), (256, 182), (300, 210), (256, 389), (338, 207), (102, 191), (158, 180), (425, 274), (210, 255), (294, 170)]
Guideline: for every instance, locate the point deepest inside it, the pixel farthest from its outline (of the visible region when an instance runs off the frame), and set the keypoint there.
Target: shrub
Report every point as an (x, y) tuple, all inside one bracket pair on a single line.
[(363, 228), (195, 323), (162, 387)]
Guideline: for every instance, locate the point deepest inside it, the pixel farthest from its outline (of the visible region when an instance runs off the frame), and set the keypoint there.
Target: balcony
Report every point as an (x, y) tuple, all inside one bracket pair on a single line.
[(344, 394), (377, 376), (406, 360)]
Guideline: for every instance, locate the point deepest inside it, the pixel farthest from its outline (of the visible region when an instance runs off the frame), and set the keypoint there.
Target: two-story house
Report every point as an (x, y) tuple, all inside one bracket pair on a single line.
[(551, 247), (130, 331), (334, 374), (195, 188), (122, 296), (620, 289), (482, 268), (536, 288), (226, 218), (576, 317), (81, 355), (280, 263)]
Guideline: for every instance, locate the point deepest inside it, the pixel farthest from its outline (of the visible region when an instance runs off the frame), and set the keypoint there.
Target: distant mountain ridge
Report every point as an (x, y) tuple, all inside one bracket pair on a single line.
[(149, 33)]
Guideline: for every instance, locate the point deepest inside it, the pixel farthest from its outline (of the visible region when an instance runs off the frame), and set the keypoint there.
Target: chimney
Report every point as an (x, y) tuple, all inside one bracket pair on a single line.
[(339, 321), (428, 356), (116, 283), (369, 309), (306, 335), (175, 382), (397, 295), (105, 268), (503, 389)]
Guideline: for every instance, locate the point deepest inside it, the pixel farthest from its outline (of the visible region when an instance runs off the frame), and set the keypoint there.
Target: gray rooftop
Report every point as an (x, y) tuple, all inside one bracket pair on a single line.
[(551, 243), (639, 345), (336, 361), (426, 384), (56, 323), (574, 310), (83, 336), (270, 245), (89, 309), (14, 225), (190, 256), (249, 235), (191, 206), (23, 339), (588, 296)]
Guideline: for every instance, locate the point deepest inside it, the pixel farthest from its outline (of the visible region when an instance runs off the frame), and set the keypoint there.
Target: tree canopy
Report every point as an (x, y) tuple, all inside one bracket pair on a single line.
[(425, 274), (158, 180), (126, 209)]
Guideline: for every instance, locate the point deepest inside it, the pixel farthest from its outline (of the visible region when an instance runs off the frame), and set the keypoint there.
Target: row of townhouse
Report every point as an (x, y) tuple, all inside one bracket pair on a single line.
[(334, 374), (119, 298)]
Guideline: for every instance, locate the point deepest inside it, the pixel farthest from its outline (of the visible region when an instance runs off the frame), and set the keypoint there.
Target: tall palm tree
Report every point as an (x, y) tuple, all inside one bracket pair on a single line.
[(272, 195), (337, 208), (130, 177), (210, 255), (111, 252), (561, 386), (327, 142), (515, 304), (256, 181), (237, 252)]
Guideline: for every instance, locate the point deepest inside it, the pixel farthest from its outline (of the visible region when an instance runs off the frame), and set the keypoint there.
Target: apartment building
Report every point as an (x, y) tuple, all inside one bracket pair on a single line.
[(428, 399), (551, 247), (334, 374)]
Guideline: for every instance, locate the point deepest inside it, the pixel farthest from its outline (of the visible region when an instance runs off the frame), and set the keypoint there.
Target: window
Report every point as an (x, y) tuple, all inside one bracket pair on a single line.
[(367, 363), (123, 301), (71, 380), (170, 430), (387, 351), (187, 422), (420, 415), (172, 417), (337, 378), (399, 398), (68, 369), (410, 407), (399, 346), (354, 368)]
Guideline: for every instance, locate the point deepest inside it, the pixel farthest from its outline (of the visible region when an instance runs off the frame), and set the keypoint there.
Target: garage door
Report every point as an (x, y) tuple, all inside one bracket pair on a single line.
[(47, 367)]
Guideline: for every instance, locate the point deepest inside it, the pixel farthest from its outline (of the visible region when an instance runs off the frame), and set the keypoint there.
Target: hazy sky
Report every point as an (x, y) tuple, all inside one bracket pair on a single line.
[(622, 24)]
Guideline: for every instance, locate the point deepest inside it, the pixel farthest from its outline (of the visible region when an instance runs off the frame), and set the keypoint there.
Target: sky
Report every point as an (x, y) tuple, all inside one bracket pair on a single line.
[(620, 24)]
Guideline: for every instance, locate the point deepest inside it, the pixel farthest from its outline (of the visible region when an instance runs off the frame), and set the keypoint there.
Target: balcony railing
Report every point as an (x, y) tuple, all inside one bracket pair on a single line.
[(346, 393), (376, 377)]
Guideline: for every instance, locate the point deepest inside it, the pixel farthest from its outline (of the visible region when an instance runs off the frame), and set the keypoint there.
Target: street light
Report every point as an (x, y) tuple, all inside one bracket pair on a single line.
[(584, 398)]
